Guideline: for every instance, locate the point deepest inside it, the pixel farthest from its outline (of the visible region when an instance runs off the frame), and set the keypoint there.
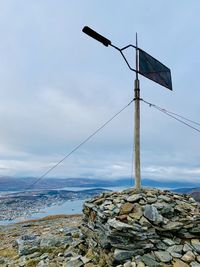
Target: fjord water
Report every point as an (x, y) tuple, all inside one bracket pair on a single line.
[(68, 207)]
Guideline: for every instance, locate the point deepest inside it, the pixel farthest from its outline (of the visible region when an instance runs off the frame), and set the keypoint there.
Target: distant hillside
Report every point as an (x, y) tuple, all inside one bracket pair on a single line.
[(186, 190), (15, 184), (194, 192)]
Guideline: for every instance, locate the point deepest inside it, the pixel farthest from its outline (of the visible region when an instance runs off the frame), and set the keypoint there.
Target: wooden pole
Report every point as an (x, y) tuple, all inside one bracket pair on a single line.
[(137, 125)]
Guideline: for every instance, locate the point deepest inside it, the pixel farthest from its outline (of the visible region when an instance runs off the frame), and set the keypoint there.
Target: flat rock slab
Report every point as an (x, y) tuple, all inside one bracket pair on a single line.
[(134, 198), (173, 226), (163, 256), (119, 225), (121, 255), (150, 261)]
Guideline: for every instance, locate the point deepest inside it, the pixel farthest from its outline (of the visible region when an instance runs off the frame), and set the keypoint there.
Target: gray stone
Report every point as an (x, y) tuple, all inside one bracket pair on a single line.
[(195, 241), (70, 230), (191, 199), (119, 225), (177, 241), (134, 198), (185, 234), (158, 205), (121, 255), (196, 247), (163, 256), (126, 245), (161, 246), (173, 226), (101, 215), (167, 210), (175, 248), (150, 261), (187, 247), (55, 241), (27, 244), (152, 214), (26, 250), (165, 198), (195, 229), (176, 255), (29, 238), (151, 200), (168, 242)]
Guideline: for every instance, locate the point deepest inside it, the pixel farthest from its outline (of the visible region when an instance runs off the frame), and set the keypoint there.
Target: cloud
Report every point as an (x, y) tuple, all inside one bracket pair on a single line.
[(171, 173)]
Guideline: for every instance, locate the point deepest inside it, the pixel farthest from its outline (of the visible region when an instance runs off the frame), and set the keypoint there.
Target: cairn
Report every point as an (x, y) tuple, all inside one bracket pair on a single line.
[(142, 228)]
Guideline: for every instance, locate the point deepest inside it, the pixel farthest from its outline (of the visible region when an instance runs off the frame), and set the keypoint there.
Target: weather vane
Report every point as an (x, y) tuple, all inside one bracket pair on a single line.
[(150, 68)]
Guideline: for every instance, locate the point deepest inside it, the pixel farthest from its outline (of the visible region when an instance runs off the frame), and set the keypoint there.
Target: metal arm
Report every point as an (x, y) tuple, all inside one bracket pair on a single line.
[(107, 42)]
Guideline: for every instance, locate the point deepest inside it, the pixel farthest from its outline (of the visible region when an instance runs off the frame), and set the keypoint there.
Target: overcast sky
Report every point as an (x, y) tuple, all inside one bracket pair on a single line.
[(57, 86)]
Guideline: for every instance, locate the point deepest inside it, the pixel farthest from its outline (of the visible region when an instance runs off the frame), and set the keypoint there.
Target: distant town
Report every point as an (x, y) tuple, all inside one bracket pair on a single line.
[(20, 203), (25, 204)]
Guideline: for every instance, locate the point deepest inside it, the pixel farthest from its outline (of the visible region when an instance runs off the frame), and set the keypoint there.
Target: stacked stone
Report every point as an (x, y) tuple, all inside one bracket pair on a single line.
[(149, 227)]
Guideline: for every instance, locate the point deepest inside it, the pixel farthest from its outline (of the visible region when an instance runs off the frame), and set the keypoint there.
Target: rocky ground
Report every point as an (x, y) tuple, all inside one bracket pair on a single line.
[(51, 241), (146, 228)]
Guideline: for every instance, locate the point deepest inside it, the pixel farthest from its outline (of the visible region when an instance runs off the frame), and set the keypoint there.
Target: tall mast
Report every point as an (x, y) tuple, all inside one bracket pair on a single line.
[(137, 123)]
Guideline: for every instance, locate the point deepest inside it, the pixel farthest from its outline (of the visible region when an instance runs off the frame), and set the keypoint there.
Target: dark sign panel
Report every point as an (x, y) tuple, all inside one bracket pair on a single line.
[(152, 69)]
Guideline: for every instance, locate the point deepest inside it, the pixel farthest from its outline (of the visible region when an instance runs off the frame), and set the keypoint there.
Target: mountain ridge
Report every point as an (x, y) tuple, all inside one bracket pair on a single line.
[(22, 183)]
